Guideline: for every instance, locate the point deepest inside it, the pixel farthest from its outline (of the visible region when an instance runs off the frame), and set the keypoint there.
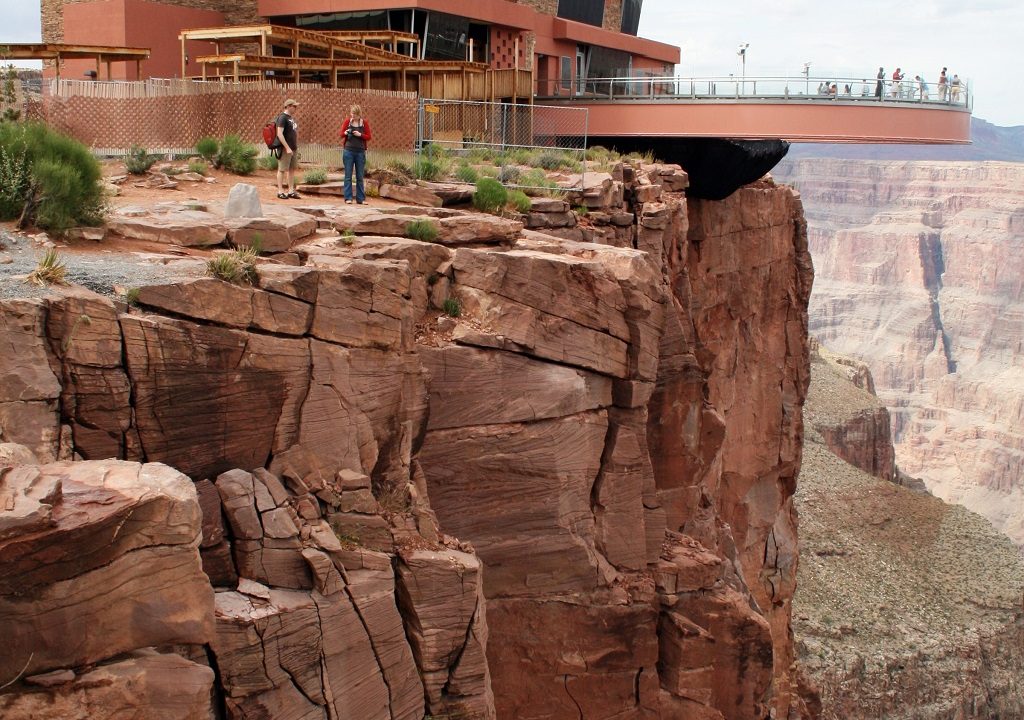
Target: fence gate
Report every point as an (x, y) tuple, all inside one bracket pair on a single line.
[(525, 142)]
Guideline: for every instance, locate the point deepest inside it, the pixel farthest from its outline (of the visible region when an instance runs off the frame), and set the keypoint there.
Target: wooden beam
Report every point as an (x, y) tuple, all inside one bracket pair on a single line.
[(183, 56)]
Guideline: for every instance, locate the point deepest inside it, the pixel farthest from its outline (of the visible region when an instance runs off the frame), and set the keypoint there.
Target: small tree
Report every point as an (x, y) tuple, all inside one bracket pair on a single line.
[(9, 94)]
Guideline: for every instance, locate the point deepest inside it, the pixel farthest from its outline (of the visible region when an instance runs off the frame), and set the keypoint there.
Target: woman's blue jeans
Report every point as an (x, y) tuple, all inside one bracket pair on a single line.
[(354, 159)]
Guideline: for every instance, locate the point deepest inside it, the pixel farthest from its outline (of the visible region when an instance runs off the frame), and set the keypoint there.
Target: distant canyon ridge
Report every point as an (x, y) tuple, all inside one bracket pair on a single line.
[(919, 272)]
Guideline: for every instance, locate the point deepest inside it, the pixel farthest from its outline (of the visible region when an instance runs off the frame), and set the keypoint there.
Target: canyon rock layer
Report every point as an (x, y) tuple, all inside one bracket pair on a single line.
[(907, 608), (571, 495), (919, 274)]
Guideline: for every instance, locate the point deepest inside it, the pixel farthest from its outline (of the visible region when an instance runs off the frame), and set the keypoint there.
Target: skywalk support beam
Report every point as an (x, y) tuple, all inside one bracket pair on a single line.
[(793, 120)]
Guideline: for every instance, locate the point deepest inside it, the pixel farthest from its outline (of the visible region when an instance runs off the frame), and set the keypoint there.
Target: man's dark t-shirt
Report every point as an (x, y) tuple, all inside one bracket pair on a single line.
[(286, 121)]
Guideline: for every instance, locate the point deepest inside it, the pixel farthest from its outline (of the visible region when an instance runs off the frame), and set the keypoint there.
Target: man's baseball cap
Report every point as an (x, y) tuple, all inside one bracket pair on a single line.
[(291, 101)]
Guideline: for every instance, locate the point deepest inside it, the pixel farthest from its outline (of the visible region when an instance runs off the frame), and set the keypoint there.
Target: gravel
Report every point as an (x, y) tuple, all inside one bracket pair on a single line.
[(100, 270)]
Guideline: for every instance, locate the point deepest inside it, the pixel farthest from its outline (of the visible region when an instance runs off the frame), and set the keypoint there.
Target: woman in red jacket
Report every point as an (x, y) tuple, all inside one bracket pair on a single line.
[(355, 132)]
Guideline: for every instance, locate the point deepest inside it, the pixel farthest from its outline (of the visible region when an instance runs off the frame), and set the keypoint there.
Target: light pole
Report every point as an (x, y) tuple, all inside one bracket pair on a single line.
[(807, 78), (742, 52)]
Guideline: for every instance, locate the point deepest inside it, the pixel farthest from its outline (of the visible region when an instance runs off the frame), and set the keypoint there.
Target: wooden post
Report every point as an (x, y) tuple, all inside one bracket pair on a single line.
[(99, 58), (263, 43), (403, 79), (366, 80), (108, 70), (470, 58), (235, 67), (295, 54), (183, 63), (204, 71)]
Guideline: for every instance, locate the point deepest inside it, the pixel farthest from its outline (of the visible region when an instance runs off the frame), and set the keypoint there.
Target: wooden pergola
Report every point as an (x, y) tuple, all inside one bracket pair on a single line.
[(295, 51), (102, 54)]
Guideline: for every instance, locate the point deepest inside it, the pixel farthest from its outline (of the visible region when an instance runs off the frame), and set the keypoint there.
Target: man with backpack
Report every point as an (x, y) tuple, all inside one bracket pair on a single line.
[(288, 160)]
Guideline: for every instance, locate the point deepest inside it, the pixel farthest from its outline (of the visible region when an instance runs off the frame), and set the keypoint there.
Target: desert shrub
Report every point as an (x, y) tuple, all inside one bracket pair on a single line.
[(467, 174), (15, 180), (63, 187), (452, 307), (348, 236), (138, 161), (647, 157), (549, 160), (208, 148), (199, 167), (481, 155), (582, 210), (519, 200), (49, 270), (268, 162), (490, 195), (235, 155), (425, 168), (399, 166), (237, 266), (9, 95), (509, 175), (487, 171), (315, 177), (229, 268), (520, 156), (435, 151), (422, 229), (535, 182)]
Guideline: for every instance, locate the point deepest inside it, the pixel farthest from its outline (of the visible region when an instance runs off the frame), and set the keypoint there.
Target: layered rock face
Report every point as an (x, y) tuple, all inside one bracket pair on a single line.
[(919, 268), (906, 607), (570, 496)]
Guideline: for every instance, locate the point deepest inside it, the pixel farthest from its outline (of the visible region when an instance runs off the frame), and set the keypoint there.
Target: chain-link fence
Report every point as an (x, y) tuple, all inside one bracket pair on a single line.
[(530, 146)]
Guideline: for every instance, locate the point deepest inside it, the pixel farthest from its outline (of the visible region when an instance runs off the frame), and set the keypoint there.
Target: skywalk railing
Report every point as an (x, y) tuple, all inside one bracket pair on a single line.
[(801, 88)]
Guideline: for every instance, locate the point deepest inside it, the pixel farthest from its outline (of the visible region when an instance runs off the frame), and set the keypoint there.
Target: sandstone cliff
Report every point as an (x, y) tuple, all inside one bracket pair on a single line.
[(919, 269), (571, 496), (906, 608)]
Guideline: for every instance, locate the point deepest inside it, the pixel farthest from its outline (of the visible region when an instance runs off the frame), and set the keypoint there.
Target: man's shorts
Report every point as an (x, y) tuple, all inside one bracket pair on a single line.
[(288, 161)]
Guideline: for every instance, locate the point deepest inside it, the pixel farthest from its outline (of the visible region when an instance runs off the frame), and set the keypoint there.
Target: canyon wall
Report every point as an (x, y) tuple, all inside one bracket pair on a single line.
[(570, 495), (919, 274), (907, 608)]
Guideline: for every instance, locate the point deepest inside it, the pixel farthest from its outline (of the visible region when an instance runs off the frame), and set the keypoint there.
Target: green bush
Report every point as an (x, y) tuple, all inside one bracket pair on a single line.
[(399, 166), (490, 195), (488, 171), (422, 229), (237, 266), (509, 175), (208, 148), (425, 168), (63, 188), (315, 177), (550, 160), (481, 155), (9, 95), (268, 162), (235, 155), (467, 174), (536, 182), (519, 200), (138, 161), (452, 307), (520, 156), (199, 167), (15, 180), (435, 151)]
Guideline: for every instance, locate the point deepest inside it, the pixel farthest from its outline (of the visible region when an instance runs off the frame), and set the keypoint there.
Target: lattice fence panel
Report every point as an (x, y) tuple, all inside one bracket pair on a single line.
[(175, 122)]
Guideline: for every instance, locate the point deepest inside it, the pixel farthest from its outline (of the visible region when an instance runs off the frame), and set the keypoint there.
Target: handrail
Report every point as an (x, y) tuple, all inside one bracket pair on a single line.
[(801, 88)]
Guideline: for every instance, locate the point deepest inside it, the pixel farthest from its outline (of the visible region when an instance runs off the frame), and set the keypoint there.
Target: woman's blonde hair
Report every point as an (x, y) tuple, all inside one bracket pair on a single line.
[(356, 111)]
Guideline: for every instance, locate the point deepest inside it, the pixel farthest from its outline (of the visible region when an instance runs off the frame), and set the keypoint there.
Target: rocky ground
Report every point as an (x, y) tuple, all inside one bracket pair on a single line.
[(906, 607)]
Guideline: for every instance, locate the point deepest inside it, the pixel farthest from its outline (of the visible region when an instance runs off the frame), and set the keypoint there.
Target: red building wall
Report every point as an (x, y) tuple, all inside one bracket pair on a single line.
[(135, 23)]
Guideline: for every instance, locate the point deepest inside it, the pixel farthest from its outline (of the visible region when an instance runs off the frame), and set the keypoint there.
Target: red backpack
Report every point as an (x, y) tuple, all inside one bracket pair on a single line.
[(270, 135)]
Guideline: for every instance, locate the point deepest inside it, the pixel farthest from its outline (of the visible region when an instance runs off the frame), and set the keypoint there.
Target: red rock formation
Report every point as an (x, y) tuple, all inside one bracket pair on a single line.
[(613, 434), (919, 274)]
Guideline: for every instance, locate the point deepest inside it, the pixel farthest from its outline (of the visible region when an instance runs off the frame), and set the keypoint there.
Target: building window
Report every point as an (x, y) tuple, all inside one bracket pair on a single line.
[(565, 73), (590, 12), (631, 16)]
